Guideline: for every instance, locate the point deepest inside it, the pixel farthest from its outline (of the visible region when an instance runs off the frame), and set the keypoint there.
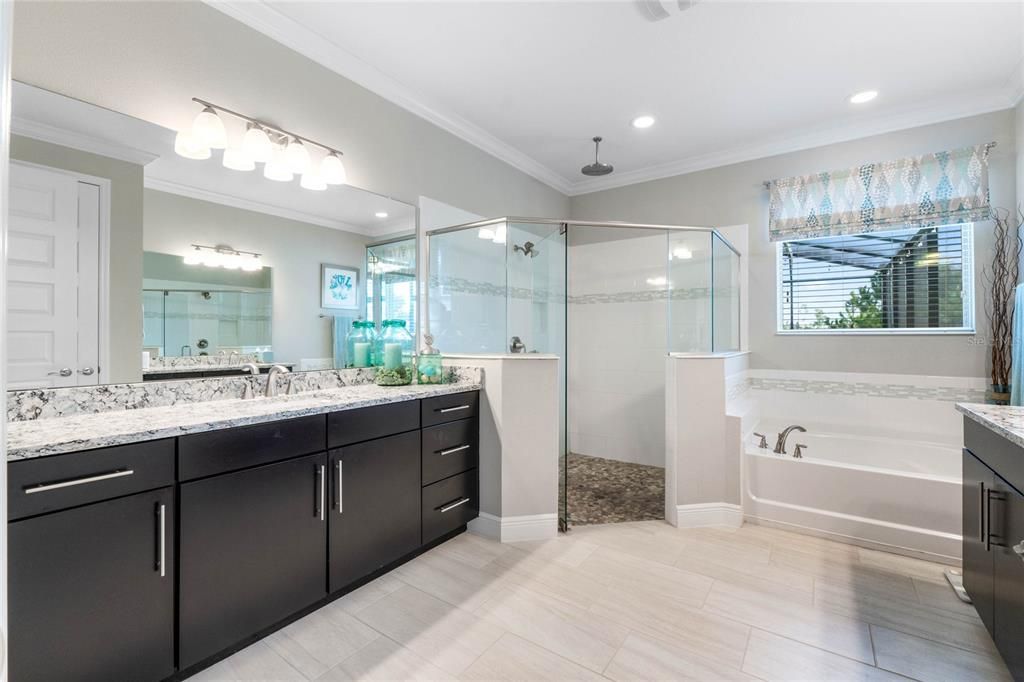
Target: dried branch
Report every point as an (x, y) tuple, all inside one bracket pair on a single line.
[(1001, 279)]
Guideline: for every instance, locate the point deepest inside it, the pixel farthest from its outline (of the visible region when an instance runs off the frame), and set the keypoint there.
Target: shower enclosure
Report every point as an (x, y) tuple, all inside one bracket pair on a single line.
[(610, 300)]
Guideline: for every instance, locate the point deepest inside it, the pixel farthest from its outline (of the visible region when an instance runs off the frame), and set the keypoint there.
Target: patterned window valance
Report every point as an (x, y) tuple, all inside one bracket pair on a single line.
[(933, 189)]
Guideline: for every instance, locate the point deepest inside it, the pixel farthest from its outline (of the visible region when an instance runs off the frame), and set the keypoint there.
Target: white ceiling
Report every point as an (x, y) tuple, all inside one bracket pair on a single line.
[(52, 117), (532, 82)]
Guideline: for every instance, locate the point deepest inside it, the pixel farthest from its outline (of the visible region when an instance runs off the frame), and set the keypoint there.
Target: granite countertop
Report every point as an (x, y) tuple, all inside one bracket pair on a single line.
[(41, 437), (1006, 420), (211, 368)]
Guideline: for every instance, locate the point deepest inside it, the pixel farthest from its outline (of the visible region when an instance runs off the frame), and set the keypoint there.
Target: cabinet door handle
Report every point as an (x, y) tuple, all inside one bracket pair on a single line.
[(444, 410), (161, 561), (451, 451), (998, 496), (321, 475), (981, 517), (43, 487), (340, 487), (453, 505)]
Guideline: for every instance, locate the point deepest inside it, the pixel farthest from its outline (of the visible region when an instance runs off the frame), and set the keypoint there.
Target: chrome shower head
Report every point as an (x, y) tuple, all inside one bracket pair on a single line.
[(597, 168)]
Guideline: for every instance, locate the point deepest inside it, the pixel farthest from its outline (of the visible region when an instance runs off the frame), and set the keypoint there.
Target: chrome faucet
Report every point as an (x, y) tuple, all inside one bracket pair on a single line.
[(272, 380), (251, 368), (763, 444), (780, 444), (516, 345), (232, 356)]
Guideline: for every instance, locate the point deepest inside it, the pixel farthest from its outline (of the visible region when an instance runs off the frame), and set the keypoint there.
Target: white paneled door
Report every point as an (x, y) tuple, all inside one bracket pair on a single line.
[(52, 279)]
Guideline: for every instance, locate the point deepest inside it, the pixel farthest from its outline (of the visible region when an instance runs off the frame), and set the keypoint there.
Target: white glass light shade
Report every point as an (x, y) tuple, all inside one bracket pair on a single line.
[(193, 257), (332, 170), (251, 263), (277, 169), (185, 145), (237, 159), (208, 130), (257, 144), (312, 180), (297, 156), (485, 233), (500, 234)]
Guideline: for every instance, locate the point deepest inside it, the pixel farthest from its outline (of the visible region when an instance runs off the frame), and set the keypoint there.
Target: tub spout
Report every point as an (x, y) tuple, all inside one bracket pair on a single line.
[(780, 444)]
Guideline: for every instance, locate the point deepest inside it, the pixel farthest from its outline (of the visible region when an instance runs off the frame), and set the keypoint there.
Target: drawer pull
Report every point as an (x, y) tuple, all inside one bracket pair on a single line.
[(43, 487), (162, 558), (453, 505), (445, 410), (451, 451)]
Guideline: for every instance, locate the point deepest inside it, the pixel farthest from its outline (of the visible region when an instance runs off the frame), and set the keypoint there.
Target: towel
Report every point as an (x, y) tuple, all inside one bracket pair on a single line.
[(1017, 356), (342, 326)]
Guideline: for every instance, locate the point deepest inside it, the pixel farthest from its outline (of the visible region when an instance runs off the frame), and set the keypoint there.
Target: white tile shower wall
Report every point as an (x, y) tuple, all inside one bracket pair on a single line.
[(616, 349), (898, 404)]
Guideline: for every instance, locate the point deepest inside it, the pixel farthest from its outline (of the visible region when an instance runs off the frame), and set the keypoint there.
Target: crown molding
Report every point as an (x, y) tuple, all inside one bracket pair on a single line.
[(293, 35), (80, 141), (180, 189), (932, 113)]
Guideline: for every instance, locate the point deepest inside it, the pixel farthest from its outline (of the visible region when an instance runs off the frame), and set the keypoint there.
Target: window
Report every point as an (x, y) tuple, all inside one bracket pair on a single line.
[(915, 279), (391, 282)]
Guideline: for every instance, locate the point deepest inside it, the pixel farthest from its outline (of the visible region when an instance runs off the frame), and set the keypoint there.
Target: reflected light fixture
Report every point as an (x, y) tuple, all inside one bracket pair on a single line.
[(381, 214), (312, 180), (186, 145), (282, 152), (643, 122), (223, 257), (257, 144), (208, 130), (297, 156), (238, 159), (485, 233), (682, 253), (500, 234), (657, 281), (863, 97), (333, 170)]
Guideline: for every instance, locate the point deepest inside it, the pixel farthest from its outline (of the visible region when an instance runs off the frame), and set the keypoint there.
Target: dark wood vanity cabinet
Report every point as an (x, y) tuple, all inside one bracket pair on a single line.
[(152, 560), (253, 551), (993, 538), (92, 585), (375, 506)]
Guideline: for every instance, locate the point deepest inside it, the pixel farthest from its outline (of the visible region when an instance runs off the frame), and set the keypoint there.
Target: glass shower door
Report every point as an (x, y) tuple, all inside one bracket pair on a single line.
[(535, 312)]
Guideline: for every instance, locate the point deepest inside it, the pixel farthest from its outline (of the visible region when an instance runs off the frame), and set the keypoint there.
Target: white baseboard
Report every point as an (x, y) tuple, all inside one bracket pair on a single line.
[(708, 514), (515, 528)]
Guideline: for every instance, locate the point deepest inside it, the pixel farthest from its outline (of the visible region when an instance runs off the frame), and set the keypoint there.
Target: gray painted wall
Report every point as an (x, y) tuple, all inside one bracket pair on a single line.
[(733, 195), (148, 59), (293, 250), (125, 300)]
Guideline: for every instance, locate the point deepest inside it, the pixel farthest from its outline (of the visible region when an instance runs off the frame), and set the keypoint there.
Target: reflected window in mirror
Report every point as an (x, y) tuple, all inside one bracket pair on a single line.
[(391, 282)]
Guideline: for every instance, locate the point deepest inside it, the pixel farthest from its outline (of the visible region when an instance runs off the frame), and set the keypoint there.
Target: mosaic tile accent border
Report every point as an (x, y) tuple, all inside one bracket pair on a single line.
[(48, 403), (466, 286), (189, 361), (874, 390)]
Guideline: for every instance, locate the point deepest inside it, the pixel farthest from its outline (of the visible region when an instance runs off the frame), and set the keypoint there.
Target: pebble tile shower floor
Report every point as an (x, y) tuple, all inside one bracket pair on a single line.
[(609, 491), (637, 601)]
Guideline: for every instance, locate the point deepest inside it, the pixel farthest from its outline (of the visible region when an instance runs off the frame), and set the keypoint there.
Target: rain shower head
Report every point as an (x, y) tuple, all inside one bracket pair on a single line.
[(597, 168)]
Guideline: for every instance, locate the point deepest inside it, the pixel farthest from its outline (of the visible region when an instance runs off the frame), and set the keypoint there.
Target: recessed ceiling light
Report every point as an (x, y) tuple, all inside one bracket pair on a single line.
[(863, 97), (381, 214), (643, 121)]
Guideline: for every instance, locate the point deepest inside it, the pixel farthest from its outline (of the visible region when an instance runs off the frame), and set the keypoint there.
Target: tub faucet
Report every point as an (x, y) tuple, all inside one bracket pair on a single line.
[(764, 441), (780, 444), (799, 452)]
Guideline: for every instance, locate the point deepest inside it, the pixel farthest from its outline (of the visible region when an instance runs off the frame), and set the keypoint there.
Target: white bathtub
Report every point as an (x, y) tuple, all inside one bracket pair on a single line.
[(894, 491)]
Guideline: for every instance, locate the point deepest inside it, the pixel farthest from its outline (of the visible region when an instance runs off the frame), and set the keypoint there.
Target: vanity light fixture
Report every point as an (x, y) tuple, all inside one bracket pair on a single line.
[(863, 97), (208, 130), (223, 257), (283, 152)]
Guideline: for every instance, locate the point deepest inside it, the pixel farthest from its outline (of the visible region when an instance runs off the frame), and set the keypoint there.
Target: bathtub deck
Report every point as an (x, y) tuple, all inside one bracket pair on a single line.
[(637, 601)]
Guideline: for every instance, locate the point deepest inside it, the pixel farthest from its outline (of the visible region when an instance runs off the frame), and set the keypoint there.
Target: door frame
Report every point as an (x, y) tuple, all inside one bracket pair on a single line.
[(6, 32), (104, 185)]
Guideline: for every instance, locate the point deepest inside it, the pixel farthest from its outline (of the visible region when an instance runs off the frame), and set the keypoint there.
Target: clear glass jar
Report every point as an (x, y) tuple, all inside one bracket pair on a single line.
[(359, 344), (429, 368), (394, 356)]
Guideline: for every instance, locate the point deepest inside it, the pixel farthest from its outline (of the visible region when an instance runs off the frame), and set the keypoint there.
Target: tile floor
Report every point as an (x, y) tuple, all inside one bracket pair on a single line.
[(637, 601), (609, 491)]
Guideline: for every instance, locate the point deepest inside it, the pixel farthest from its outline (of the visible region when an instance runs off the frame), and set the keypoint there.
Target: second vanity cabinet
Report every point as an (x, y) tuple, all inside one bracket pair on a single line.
[(993, 538), (152, 560)]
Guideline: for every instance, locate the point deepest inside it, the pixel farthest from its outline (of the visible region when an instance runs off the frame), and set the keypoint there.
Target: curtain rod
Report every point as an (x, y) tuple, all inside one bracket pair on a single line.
[(768, 183)]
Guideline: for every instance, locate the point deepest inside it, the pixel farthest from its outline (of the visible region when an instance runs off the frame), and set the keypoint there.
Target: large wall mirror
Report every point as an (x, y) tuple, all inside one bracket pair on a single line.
[(129, 261)]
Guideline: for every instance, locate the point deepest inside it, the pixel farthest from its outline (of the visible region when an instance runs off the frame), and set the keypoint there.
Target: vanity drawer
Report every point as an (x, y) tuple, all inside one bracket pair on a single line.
[(449, 449), (215, 452), (449, 504), (46, 484), (447, 408), (368, 423)]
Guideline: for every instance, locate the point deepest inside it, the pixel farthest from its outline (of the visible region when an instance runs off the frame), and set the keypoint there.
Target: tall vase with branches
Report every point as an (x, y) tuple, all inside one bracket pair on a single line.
[(1001, 278)]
